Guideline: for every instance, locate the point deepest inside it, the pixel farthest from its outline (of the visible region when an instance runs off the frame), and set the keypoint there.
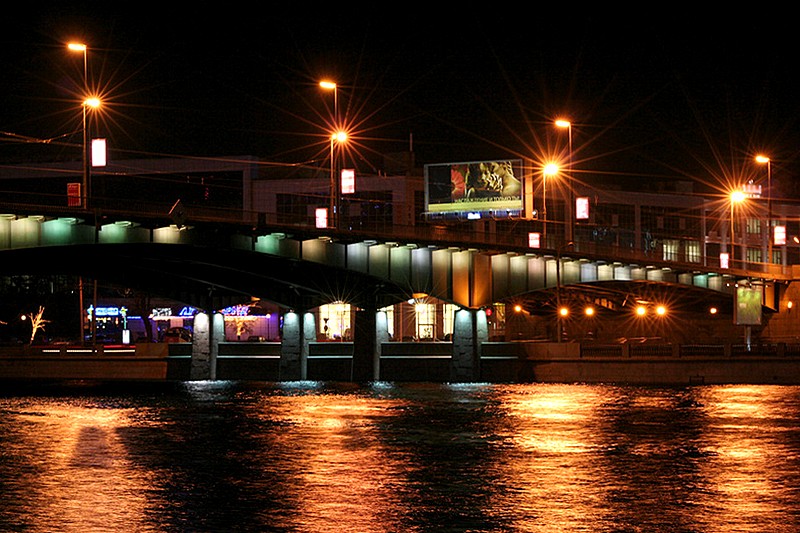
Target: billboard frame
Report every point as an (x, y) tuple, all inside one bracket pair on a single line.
[(472, 189)]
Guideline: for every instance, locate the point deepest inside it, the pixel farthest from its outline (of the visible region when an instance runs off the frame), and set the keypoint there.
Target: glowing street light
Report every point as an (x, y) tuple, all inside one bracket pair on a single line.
[(562, 311), (562, 123), (337, 138), (331, 86), (90, 103), (765, 160), (549, 169), (82, 48)]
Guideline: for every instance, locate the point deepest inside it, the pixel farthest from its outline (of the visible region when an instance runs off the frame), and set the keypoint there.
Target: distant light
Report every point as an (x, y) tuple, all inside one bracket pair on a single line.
[(762, 158), (737, 196), (561, 123), (327, 84), (661, 310), (779, 235), (641, 310), (321, 217), (92, 102), (550, 169), (713, 311), (563, 311), (473, 216), (517, 308), (77, 47), (589, 311)]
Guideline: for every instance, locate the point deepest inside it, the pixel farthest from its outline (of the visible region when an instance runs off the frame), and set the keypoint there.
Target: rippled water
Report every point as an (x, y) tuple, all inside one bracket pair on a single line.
[(318, 457)]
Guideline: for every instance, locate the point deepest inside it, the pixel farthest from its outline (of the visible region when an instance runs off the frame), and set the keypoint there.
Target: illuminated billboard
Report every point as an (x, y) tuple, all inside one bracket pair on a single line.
[(747, 306), (481, 187)]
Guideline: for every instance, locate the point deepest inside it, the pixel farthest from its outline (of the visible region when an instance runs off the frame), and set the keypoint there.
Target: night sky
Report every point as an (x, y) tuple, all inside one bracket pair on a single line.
[(658, 95)]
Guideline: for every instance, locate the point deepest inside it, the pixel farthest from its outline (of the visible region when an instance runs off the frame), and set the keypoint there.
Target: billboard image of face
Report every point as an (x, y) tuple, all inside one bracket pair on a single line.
[(469, 187)]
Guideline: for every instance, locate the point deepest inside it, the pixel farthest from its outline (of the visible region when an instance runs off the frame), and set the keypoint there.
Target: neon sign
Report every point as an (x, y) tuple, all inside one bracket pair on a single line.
[(237, 310), (107, 311)]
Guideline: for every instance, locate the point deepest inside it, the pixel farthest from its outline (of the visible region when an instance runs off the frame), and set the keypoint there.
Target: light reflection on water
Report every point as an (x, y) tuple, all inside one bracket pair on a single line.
[(318, 457)]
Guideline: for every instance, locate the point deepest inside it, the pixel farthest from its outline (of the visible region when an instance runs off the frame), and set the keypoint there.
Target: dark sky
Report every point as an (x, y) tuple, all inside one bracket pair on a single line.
[(658, 94)]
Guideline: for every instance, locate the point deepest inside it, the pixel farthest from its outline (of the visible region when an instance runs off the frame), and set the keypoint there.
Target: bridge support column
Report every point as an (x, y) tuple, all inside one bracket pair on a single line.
[(371, 331), (205, 346), (298, 330), (469, 331)]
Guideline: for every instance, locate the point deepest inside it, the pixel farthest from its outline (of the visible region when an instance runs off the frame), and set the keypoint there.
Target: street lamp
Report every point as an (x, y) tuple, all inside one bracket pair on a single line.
[(562, 312), (82, 48), (765, 160), (331, 86), (736, 197), (84, 197), (91, 102), (562, 123), (549, 169)]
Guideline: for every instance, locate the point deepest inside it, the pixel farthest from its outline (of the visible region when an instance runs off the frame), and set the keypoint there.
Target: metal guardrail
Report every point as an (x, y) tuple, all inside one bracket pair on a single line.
[(666, 350), (424, 233)]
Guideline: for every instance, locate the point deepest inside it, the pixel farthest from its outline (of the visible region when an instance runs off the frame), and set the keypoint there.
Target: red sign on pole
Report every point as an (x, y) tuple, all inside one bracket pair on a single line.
[(73, 194)]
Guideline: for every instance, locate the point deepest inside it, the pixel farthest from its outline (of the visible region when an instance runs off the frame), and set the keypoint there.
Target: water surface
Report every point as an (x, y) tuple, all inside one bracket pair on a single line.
[(387, 457)]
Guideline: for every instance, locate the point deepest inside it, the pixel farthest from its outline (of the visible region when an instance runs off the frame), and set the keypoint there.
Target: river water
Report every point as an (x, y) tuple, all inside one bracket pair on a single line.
[(388, 457)]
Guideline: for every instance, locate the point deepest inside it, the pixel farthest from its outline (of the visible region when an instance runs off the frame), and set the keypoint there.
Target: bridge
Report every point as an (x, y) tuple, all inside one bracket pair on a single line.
[(213, 261)]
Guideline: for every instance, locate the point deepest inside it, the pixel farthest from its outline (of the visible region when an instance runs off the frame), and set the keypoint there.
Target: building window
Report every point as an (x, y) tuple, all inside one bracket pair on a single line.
[(693, 251), (753, 255), (671, 249), (448, 319), (753, 226), (426, 320), (334, 321)]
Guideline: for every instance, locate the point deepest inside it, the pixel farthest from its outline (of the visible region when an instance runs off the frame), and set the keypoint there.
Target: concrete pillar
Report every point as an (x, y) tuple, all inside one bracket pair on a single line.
[(365, 365), (298, 331), (469, 331), (205, 346)]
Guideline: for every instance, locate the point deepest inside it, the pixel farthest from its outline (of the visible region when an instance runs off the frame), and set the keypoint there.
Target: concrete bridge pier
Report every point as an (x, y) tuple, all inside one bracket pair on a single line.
[(298, 330), (469, 331), (365, 366), (208, 332), (371, 330)]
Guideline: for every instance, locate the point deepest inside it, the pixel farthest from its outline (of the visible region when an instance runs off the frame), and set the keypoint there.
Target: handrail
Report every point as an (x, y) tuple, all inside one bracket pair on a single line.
[(434, 234)]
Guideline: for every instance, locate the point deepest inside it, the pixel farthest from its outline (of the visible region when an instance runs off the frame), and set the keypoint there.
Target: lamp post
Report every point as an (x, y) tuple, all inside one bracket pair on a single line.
[(765, 160), (562, 123), (549, 169), (82, 48), (561, 312), (736, 197), (93, 103), (331, 86)]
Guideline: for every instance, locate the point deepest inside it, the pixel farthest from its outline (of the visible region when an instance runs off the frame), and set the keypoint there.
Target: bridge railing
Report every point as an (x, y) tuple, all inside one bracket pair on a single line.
[(503, 238)]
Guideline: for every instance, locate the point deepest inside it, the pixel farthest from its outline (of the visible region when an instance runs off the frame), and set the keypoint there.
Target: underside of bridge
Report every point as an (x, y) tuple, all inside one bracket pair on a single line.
[(207, 278), (623, 296)]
